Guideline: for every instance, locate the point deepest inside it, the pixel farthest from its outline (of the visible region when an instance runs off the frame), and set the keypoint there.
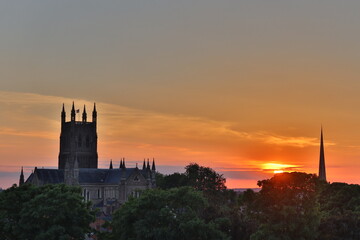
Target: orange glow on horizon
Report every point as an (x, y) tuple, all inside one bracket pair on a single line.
[(243, 156), (279, 167)]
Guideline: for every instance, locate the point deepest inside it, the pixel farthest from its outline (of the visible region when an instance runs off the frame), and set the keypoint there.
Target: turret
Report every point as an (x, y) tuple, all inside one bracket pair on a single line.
[(144, 165), (84, 115), (73, 113), (63, 116), (153, 165), (111, 165), (94, 114), (21, 181), (148, 164)]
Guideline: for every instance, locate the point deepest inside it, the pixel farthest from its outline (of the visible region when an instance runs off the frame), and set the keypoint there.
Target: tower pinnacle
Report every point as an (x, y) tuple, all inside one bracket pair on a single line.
[(21, 181), (94, 114), (63, 115), (322, 172), (84, 115), (73, 113)]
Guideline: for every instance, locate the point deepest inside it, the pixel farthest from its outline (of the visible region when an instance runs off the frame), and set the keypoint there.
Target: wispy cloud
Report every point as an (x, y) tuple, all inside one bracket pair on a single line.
[(134, 133), (37, 134)]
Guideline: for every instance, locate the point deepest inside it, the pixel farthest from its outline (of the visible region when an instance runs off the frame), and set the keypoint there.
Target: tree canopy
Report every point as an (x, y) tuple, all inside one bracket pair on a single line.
[(50, 212), (340, 211), (286, 207), (199, 177), (165, 214)]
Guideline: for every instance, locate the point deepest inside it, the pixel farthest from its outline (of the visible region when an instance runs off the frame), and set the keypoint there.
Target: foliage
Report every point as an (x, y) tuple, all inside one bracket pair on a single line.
[(286, 207), (199, 177), (165, 214), (172, 180), (47, 212), (204, 178), (340, 211), (212, 185)]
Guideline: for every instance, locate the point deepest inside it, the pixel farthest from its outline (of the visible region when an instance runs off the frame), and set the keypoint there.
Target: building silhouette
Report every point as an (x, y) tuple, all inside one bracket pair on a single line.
[(322, 170), (78, 140), (78, 165)]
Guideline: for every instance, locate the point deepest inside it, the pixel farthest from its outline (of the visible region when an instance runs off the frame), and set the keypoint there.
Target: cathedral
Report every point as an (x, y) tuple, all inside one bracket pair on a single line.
[(78, 165)]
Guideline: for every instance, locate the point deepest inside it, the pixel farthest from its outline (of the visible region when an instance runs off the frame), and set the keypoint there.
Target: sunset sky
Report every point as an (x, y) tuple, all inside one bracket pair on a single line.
[(240, 86)]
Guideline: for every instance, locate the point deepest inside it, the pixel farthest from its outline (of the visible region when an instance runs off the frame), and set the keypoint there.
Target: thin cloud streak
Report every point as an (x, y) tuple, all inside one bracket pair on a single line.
[(134, 133)]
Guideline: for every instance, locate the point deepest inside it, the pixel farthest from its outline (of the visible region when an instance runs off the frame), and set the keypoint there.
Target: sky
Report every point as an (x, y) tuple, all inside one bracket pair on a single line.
[(240, 86)]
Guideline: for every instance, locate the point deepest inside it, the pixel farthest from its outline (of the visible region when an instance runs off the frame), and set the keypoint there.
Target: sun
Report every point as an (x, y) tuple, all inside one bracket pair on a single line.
[(278, 167)]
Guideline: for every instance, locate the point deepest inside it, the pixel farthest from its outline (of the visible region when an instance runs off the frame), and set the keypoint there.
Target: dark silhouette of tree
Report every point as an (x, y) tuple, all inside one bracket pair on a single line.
[(48, 212), (165, 214), (199, 177), (204, 178), (172, 180), (286, 207), (340, 211)]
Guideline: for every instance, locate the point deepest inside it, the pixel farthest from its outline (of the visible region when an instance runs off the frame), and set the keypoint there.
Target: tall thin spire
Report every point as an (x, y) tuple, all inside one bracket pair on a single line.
[(21, 181), (63, 114), (322, 171), (73, 112), (148, 164), (144, 165), (153, 165), (84, 115), (111, 165), (94, 114)]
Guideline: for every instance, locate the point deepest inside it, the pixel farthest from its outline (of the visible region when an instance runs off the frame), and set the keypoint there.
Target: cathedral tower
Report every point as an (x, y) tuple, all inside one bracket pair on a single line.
[(78, 140), (322, 172)]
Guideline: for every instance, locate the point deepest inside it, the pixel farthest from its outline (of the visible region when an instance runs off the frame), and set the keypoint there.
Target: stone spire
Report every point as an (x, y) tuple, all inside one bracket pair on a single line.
[(144, 165), (73, 113), (153, 165), (84, 115), (124, 166), (63, 115), (322, 172), (148, 164), (111, 165), (94, 114), (21, 181)]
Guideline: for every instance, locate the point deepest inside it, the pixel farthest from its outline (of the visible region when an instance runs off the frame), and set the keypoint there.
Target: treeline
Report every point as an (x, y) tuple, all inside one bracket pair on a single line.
[(51, 212), (197, 205), (191, 205)]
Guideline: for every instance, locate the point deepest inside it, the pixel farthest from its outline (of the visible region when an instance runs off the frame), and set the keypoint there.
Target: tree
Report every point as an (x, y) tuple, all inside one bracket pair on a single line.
[(287, 208), (340, 211), (221, 202), (204, 178), (49, 212), (199, 177), (171, 181), (165, 214)]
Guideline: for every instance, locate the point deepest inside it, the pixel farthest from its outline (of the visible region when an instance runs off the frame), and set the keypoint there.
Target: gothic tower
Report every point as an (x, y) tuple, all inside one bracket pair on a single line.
[(322, 172), (78, 140)]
